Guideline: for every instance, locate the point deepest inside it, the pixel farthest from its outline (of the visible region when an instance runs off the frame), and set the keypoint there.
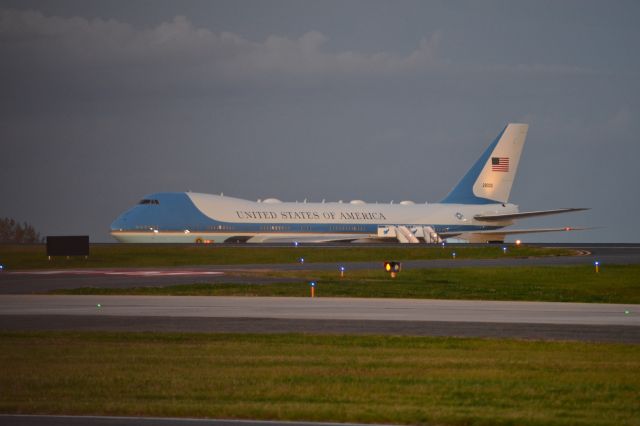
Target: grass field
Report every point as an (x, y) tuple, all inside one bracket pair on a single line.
[(408, 380), (613, 284), (151, 255)]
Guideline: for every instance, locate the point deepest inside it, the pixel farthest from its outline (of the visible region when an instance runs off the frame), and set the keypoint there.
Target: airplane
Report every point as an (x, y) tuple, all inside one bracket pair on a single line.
[(476, 210)]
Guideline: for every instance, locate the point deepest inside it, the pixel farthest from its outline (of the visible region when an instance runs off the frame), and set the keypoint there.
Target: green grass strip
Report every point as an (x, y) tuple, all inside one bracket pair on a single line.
[(155, 255), (613, 284), (403, 380)]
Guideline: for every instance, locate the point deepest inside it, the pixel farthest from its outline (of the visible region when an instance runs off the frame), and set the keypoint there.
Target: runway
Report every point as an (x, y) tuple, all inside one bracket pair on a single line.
[(571, 321)]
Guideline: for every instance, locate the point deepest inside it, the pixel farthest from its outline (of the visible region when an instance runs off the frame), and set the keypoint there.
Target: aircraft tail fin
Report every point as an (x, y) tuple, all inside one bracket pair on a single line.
[(491, 177)]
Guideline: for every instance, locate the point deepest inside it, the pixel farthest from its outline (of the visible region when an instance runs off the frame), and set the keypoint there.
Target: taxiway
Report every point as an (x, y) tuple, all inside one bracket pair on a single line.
[(545, 320)]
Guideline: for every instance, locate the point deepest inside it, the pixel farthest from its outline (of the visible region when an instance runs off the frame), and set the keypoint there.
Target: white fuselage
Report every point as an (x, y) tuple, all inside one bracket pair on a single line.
[(223, 218)]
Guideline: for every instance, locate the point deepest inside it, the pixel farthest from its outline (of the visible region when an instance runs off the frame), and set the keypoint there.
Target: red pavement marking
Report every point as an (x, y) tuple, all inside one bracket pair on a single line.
[(133, 273)]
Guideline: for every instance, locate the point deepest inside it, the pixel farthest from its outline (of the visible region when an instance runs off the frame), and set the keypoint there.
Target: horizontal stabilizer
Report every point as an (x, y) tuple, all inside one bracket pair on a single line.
[(523, 215), (515, 231), (499, 235)]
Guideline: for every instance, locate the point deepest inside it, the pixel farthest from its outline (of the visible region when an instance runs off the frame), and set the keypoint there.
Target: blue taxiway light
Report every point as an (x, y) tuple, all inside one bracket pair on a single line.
[(312, 283)]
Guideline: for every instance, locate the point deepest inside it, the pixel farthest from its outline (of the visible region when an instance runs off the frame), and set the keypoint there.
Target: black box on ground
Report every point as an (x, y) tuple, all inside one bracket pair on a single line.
[(68, 245)]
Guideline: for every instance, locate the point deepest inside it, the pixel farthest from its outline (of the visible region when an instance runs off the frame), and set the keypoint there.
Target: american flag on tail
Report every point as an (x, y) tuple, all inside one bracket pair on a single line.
[(500, 164)]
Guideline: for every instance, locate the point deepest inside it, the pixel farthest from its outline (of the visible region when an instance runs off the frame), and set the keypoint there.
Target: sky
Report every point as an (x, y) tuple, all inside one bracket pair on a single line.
[(103, 102)]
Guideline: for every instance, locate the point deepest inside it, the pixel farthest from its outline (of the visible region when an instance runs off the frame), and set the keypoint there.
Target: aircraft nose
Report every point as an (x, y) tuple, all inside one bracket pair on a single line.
[(120, 223)]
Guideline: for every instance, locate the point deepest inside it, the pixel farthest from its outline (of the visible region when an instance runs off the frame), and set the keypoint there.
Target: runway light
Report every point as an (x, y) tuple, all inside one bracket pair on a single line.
[(518, 242), (98, 305), (295, 244), (393, 268), (453, 254), (342, 269), (301, 260), (1, 268), (312, 284), (597, 265), (443, 244), (626, 312), (504, 250)]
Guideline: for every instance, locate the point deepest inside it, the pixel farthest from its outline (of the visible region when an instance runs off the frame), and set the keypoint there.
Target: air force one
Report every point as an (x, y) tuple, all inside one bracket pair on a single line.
[(476, 210)]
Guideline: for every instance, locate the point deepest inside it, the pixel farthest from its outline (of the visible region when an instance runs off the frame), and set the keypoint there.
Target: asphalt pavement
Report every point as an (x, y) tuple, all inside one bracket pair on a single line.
[(534, 320)]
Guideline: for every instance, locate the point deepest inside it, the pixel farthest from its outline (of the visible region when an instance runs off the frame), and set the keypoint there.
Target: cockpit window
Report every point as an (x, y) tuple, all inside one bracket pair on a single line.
[(147, 201)]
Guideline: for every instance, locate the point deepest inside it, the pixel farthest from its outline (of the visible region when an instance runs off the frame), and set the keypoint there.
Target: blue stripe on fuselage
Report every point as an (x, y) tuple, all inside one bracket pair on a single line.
[(176, 212)]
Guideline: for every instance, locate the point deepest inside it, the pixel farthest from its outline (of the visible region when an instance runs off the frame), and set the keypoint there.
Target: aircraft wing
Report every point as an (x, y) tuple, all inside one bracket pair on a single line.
[(513, 231), (523, 215), (499, 235)]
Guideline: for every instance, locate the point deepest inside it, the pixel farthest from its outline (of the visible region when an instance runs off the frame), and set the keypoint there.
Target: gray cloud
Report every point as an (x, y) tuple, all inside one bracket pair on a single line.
[(110, 54), (73, 44)]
